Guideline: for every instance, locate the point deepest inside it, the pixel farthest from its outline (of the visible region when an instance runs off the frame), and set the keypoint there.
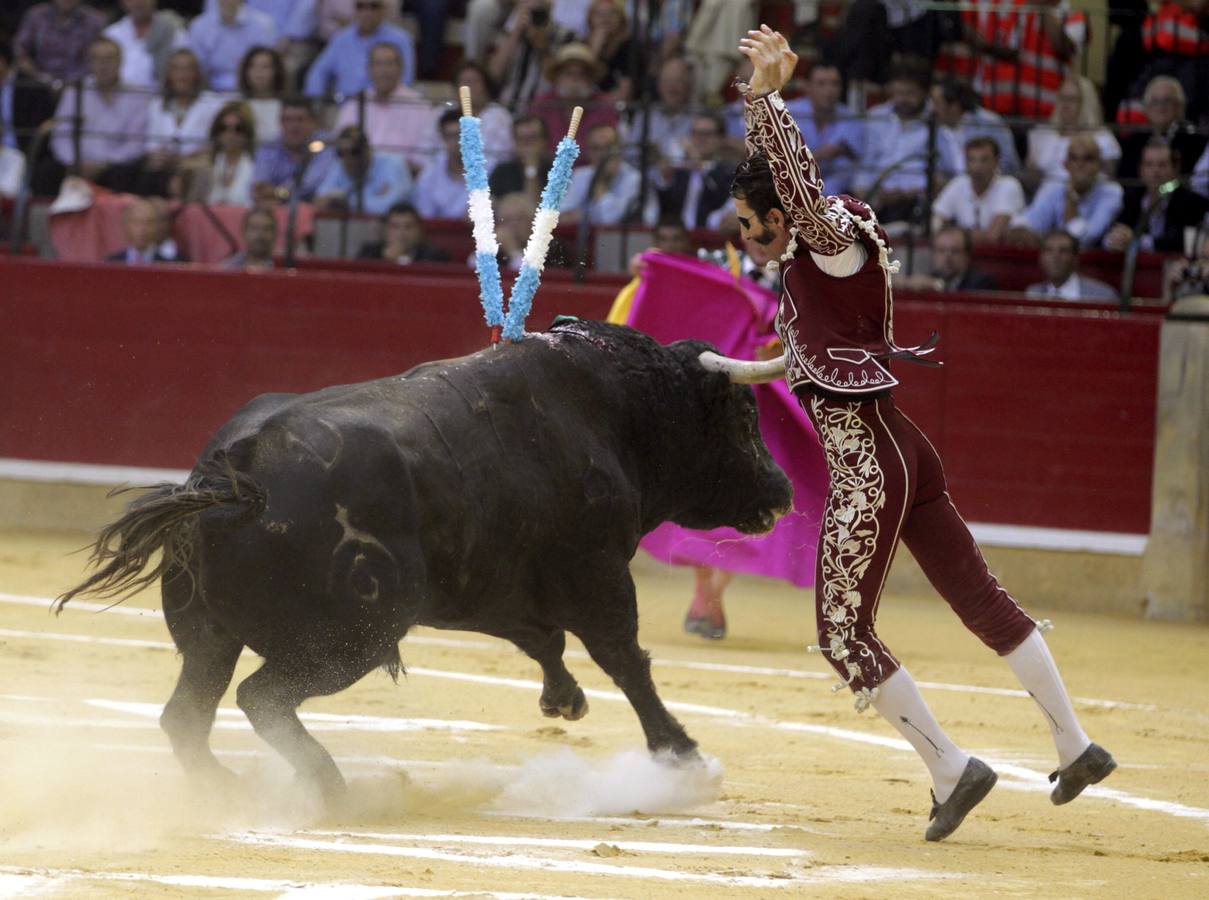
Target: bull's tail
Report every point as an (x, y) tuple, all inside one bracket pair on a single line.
[(166, 519)]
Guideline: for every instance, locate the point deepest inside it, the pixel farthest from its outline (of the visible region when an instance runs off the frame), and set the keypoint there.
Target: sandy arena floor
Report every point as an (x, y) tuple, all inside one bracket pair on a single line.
[(461, 788)]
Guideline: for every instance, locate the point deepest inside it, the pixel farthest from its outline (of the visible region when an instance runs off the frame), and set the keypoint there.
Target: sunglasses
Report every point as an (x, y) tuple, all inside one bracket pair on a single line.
[(368, 4), (239, 127), (1082, 157)]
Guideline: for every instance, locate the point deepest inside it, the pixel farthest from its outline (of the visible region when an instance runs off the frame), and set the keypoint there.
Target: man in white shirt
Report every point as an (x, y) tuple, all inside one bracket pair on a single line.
[(147, 37), (1058, 258), (982, 200)]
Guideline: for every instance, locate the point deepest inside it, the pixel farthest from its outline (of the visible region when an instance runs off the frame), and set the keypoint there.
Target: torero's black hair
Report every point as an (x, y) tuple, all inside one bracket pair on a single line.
[(753, 183)]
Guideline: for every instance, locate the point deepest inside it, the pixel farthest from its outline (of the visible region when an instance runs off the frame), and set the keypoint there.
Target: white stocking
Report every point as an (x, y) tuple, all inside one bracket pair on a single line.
[(1035, 668), (899, 702)]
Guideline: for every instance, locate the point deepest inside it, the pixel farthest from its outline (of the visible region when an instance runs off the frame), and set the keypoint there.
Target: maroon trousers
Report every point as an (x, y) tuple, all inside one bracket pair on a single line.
[(887, 482)]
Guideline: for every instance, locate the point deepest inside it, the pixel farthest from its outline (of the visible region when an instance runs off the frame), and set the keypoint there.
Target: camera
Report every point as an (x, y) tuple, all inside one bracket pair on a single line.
[(540, 17)]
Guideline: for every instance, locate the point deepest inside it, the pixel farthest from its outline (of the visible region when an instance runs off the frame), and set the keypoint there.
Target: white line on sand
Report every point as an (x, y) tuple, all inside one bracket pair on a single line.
[(513, 840), (23, 881), (772, 671), (819, 875), (316, 721), (748, 719)]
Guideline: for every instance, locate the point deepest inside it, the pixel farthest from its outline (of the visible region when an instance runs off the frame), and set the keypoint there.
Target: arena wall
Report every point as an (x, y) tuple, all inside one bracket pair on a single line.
[(1044, 417)]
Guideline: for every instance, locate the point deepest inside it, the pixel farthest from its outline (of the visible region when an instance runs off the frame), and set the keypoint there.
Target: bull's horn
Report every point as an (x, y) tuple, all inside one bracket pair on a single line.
[(742, 371)]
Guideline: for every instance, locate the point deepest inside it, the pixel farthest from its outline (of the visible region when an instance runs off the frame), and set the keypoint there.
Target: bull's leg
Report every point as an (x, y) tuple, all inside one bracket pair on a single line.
[(612, 642), (208, 661), (561, 694), (270, 697)]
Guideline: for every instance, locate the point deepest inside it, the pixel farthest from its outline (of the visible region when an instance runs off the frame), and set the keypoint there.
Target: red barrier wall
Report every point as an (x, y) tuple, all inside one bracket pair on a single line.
[(1043, 417)]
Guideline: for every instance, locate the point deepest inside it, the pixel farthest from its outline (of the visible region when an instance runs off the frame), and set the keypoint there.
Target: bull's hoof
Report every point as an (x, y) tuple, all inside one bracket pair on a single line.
[(572, 711)]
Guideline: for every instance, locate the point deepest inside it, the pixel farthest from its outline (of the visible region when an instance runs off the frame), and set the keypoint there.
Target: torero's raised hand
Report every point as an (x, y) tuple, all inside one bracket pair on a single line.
[(772, 60)]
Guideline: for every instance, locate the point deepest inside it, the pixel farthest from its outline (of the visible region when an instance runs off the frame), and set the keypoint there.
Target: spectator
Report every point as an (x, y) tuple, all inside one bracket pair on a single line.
[(1189, 277), (397, 118), (1158, 210), (518, 63), (610, 41), (259, 237), (698, 191), (296, 23), (403, 239), (952, 247), (527, 170), (343, 65), (1058, 258), (829, 128), (514, 215), (440, 191), (8, 125), (573, 73), (230, 175), (670, 116), (1165, 108), (262, 82), (298, 160), (1026, 54), (893, 170), (147, 36), (962, 117), (178, 124), (363, 181), (223, 37), (486, 19), (606, 190), (12, 171), (1084, 207), (1175, 38), (336, 15), (495, 122), (53, 40), (710, 42), (141, 223), (982, 200), (671, 236), (1077, 113), (113, 122)]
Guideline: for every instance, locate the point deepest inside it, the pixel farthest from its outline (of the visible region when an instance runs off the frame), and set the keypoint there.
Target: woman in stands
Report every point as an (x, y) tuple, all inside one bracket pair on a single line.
[(262, 85), (228, 177)]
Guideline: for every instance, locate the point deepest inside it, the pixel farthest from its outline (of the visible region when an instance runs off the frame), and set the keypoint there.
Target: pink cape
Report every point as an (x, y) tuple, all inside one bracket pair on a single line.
[(680, 297)]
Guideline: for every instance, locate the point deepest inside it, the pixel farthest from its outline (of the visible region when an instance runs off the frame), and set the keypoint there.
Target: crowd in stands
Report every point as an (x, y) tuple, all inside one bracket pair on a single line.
[(972, 122)]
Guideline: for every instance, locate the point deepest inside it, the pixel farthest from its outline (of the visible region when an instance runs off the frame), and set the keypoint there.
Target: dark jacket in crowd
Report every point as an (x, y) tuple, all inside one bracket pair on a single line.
[(1185, 209)]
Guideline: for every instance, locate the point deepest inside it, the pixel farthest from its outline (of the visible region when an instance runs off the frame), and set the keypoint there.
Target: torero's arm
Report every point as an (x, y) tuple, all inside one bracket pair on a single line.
[(824, 225)]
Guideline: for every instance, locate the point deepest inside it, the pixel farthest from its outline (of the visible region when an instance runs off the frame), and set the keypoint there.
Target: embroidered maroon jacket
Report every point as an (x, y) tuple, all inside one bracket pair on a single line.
[(838, 332)]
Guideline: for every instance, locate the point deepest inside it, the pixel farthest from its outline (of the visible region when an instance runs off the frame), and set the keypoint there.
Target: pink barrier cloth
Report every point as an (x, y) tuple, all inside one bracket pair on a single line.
[(680, 297), (92, 234)]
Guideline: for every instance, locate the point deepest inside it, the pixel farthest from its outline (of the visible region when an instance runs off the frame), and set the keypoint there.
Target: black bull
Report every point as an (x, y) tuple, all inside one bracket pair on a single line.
[(503, 492)]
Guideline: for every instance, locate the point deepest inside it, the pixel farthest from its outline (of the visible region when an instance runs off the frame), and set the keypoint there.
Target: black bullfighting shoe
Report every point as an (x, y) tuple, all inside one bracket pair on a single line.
[(1093, 766), (975, 783)]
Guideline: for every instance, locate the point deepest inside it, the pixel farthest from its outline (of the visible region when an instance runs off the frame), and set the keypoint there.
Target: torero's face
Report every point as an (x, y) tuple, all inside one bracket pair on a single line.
[(765, 237)]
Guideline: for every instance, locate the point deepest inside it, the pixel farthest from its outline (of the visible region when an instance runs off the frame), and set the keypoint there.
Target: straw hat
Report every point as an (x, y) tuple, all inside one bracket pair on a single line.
[(571, 53)]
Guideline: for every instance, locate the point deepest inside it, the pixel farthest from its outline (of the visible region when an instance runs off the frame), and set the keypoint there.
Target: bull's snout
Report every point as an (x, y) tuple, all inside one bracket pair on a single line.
[(775, 500)]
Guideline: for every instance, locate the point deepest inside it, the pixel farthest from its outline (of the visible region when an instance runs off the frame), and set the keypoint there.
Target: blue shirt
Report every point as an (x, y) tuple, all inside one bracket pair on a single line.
[(295, 19), (343, 66), (221, 47), (1097, 210), (274, 164), (8, 136), (896, 153), (387, 182), (843, 128), (438, 194)]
